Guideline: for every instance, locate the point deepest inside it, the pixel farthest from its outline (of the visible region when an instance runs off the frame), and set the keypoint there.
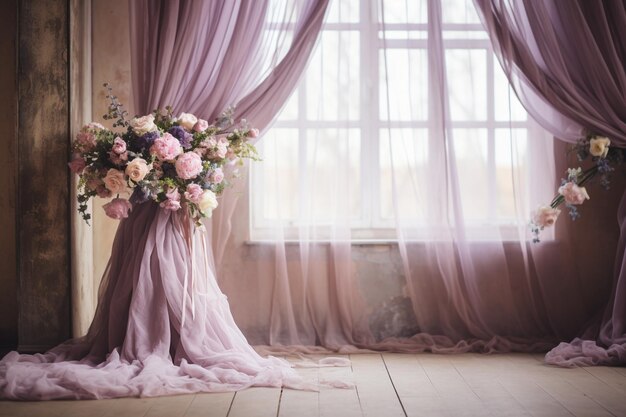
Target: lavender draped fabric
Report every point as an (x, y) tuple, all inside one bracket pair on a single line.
[(137, 344), (162, 325), (567, 63)]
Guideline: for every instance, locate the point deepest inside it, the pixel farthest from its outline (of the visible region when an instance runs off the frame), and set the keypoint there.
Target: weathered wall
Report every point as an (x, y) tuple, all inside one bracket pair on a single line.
[(8, 176), (43, 177), (110, 63)]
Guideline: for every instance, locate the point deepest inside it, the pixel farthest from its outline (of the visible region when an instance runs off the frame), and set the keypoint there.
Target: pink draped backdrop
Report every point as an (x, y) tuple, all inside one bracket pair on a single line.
[(566, 61), (498, 295)]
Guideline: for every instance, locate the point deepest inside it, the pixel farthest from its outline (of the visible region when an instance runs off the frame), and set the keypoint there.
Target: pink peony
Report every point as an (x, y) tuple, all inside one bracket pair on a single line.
[(117, 208), (545, 216), (166, 148), (201, 125), (217, 176), (173, 200), (188, 165), (253, 133), (573, 193), (119, 146), (77, 165), (193, 193)]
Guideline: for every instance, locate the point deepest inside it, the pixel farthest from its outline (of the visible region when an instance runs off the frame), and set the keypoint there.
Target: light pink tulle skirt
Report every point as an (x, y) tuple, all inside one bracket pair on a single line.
[(162, 327)]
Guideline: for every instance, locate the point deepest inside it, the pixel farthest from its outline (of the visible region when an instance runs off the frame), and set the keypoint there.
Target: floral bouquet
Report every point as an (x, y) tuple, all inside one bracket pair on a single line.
[(176, 162), (571, 192)]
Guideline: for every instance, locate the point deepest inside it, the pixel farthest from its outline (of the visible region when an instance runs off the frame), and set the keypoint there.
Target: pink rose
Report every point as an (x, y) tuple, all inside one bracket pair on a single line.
[(166, 148), (253, 133), (573, 193), (173, 200), (193, 193), (117, 208), (201, 125), (545, 216), (77, 165), (115, 181), (119, 146), (85, 141), (217, 176), (188, 165)]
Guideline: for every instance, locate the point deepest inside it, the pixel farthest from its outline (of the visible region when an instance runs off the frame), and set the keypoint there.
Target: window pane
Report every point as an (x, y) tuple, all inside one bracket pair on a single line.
[(467, 83), (277, 176), (511, 171), (343, 11), (403, 155), (290, 111), (507, 105), (332, 78), (332, 175), (406, 84), (470, 146), (459, 11), (403, 11)]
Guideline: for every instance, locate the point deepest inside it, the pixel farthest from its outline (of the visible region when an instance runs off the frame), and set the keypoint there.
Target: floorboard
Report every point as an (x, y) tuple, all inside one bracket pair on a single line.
[(388, 385)]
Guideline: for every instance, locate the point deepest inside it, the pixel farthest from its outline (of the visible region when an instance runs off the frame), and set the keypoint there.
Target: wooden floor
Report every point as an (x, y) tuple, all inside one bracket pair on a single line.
[(390, 385)]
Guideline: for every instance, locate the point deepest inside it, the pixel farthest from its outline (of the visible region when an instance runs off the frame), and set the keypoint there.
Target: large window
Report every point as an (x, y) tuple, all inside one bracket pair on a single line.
[(368, 84)]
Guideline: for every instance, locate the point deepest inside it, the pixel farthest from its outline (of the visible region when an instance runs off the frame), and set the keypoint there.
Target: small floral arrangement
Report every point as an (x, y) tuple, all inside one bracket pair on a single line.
[(571, 192), (176, 162)]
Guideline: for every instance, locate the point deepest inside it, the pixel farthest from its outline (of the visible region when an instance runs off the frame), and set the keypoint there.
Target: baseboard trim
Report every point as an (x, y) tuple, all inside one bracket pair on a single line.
[(33, 348)]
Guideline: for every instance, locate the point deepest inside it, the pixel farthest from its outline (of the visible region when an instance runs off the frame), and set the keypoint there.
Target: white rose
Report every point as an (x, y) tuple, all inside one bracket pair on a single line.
[(143, 125), (137, 169), (545, 216), (187, 121), (599, 146), (207, 202), (115, 181)]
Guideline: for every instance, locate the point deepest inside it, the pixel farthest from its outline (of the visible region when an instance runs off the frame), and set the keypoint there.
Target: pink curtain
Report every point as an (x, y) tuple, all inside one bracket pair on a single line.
[(202, 56), (566, 63)]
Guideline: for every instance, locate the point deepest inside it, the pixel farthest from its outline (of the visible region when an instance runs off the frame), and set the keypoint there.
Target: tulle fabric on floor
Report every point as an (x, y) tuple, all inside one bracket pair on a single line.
[(162, 327)]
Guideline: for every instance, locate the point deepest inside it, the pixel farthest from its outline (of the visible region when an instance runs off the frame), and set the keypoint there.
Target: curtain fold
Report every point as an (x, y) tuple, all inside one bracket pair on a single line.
[(202, 56), (566, 62)]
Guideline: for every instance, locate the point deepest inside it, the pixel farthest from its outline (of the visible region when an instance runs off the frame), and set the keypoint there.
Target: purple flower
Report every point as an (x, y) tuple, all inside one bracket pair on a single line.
[(145, 141), (183, 137)]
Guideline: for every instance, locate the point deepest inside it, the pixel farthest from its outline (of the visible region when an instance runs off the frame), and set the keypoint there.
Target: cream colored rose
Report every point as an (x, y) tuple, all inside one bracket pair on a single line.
[(599, 146), (115, 182), (545, 216), (187, 121), (137, 169), (207, 202), (143, 125)]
